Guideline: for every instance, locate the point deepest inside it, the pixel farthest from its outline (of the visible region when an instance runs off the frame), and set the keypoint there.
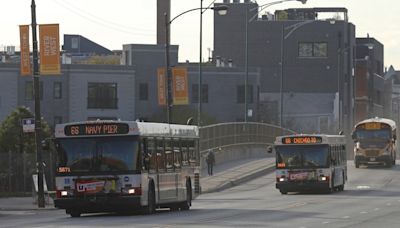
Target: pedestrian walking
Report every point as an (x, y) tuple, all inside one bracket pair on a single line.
[(210, 159)]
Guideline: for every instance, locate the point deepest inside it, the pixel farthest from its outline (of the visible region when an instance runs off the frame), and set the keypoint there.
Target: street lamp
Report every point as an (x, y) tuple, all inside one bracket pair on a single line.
[(292, 28), (38, 129), (222, 9), (259, 8)]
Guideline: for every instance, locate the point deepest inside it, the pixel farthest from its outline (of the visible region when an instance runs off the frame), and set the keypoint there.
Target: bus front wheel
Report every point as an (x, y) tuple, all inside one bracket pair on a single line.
[(74, 213), (186, 205), (151, 200)]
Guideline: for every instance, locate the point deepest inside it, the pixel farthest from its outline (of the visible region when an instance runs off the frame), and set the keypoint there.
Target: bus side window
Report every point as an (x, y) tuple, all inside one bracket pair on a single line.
[(160, 155), (192, 152), (144, 154), (185, 152), (177, 153), (152, 154)]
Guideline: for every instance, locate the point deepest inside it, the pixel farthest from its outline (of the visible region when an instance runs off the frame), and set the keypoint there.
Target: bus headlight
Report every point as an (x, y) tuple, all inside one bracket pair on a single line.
[(386, 152), (281, 179), (64, 193), (323, 178), (132, 190)]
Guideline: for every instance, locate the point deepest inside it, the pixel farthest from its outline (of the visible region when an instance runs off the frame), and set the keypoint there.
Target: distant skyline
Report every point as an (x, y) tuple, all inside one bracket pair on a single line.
[(118, 22)]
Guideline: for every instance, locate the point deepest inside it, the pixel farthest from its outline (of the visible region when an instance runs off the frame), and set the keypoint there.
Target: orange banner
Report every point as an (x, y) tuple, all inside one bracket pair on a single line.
[(180, 86), (49, 49), (161, 85), (25, 65)]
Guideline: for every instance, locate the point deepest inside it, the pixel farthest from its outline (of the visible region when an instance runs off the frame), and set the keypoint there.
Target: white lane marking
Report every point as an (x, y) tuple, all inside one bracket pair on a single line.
[(363, 187), (325, 222), (363, 212), (302, 227), (377, 209), (346, 217), (388, 204)]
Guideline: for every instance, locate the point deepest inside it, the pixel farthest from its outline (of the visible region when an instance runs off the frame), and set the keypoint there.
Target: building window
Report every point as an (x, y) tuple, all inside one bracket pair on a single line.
[(29, 91), (102, 95), (57, 90), (143, 91), (74, 43), (240, 94), (318, 49), (195, 93)]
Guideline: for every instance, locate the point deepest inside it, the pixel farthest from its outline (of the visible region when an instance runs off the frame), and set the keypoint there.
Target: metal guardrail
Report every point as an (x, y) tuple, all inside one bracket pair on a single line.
[(239, 133)]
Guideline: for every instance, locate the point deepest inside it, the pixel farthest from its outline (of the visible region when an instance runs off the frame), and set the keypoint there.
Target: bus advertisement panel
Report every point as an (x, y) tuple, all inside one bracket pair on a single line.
[(310, 162)]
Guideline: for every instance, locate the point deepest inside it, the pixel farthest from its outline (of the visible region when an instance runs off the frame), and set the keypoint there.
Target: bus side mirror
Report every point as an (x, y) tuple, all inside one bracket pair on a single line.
[(353, 136), (394, 137), (269, 149)]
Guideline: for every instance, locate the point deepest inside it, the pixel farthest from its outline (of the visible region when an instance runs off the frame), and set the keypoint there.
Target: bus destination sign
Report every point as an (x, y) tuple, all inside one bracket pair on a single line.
[(302, 140), (96, 129)]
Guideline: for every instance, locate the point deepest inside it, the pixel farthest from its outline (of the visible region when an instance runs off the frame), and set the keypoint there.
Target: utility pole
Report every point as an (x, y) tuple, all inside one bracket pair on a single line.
[(39, 162)]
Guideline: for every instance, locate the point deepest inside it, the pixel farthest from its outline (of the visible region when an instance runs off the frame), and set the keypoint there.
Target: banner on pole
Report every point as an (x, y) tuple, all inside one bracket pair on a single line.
[(180, 86), (161, 86), (25, 66), (49, 49)]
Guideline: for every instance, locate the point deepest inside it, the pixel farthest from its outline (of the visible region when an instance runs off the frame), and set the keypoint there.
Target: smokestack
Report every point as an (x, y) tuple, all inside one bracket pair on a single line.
[(163, 6)]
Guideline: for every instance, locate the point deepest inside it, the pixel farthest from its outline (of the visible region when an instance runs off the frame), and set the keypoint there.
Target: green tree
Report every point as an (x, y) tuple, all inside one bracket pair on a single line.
[(13, 139)]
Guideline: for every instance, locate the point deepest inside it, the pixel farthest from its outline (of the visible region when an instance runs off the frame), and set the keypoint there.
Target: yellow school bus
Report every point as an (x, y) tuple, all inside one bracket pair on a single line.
[(375, 142)]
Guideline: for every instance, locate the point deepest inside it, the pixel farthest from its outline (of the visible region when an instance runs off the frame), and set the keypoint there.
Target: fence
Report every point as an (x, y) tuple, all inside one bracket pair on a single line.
[(16, 169), (229, 134)]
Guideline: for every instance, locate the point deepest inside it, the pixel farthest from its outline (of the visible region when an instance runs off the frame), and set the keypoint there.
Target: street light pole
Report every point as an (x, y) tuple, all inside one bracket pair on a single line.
[(261, 7), (200, 66), (39, 162), (222, 10), (168, 70)]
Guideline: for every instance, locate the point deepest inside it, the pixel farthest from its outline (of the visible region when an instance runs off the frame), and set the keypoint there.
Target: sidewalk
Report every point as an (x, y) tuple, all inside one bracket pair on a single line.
[(225, 176)]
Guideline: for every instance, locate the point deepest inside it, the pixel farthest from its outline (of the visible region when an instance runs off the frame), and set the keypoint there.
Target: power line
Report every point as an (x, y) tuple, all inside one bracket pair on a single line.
[(100, 22)]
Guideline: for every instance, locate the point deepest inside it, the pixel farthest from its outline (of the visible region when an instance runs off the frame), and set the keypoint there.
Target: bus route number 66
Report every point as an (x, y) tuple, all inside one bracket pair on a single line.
[(75, 130)]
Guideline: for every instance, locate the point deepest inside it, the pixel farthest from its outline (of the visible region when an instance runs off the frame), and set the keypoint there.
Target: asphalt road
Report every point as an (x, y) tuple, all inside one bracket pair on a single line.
[(371, 199)]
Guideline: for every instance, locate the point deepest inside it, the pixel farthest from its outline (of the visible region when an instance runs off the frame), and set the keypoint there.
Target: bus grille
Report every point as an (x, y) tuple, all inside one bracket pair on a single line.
[(372, 153)]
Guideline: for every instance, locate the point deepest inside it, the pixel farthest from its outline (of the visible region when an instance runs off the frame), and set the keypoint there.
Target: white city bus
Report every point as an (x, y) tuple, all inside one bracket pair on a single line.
[(125, 165), (310, 163)]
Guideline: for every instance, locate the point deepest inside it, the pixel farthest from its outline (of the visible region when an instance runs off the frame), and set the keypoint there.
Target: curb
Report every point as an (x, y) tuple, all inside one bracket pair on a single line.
[(241, 180)]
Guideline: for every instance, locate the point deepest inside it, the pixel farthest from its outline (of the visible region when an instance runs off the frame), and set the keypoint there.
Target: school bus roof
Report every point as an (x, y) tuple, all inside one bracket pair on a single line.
[(389, 122)]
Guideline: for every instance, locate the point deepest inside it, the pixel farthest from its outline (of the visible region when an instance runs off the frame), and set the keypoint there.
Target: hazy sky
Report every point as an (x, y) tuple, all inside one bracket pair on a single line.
[(113, 23)]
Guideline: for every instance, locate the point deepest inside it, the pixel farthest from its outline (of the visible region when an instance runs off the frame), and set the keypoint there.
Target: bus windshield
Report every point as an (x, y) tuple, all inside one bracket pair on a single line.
[(305, 156), (372, 134), (101, 154)]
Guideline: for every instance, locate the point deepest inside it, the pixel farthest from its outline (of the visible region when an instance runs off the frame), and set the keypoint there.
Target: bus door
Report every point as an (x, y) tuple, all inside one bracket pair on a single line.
[(337, 169)]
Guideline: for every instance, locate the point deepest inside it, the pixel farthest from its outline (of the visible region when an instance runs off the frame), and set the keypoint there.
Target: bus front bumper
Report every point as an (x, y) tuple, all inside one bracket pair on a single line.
[(289, 186), (383, 159), (98, 204)]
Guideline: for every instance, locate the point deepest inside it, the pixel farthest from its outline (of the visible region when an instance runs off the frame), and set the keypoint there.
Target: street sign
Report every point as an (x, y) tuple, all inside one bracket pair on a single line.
[(28, 125)]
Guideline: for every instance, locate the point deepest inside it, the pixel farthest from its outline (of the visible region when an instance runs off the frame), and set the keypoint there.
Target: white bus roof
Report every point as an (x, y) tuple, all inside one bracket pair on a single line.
[(389, 122), (135, 128), (325, 139)]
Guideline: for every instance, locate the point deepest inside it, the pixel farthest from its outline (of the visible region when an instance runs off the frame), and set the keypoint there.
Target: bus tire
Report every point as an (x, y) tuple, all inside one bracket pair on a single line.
[(283, 192), (357, 165), (151, 200), (186, 205)]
